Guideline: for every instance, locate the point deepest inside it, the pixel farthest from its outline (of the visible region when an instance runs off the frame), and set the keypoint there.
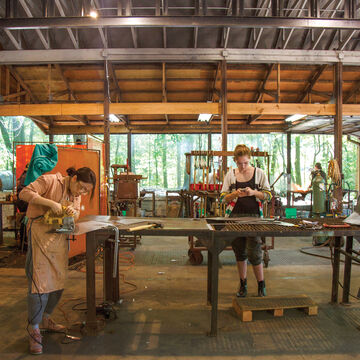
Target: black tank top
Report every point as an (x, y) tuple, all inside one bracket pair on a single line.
[(246, 205)]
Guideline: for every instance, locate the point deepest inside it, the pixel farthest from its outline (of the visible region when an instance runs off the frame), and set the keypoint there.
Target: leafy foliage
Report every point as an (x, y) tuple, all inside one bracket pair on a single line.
[(160, 157)]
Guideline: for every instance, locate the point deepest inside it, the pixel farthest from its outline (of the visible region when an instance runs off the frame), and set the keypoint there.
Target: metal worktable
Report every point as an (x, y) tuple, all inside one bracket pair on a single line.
[(215, 235)]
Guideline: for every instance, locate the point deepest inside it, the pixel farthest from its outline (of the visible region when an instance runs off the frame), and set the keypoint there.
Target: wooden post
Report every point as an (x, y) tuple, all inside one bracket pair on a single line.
[(338, 125), (278, 83), (129, 150), (288, 168), (107, 120), (224, 115)]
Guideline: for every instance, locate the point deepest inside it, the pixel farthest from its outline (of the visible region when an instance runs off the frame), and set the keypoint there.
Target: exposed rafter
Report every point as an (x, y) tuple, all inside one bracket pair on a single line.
[(17, 76), (312, 82), (72, 36), (38, 31), (352, 92)]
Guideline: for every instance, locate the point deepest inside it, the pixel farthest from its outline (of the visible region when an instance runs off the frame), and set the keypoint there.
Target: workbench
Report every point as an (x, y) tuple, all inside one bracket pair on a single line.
[(215, 234)]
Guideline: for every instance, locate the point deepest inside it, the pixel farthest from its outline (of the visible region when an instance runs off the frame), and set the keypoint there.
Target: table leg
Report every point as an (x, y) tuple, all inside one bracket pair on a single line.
[(214, 289), (336, 271), (347, 270), (209, 277), (91, 324), (111, 284)]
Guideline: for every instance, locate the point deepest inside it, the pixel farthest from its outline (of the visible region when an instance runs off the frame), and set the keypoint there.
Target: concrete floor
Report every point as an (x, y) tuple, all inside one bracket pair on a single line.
[(166, 316)]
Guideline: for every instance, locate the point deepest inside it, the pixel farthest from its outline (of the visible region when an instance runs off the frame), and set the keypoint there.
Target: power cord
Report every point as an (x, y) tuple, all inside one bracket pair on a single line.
[(328, 242)]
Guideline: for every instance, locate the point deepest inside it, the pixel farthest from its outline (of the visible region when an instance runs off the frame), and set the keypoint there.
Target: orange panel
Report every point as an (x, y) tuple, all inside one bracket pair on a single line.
[(70, 156), (77, 158)]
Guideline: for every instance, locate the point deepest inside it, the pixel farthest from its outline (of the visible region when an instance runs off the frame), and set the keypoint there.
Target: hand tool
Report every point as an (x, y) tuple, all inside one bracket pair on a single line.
[(146, 226)]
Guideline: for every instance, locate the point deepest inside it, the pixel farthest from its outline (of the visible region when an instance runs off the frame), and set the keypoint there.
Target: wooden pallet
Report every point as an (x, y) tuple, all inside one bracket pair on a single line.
[(276, 304)]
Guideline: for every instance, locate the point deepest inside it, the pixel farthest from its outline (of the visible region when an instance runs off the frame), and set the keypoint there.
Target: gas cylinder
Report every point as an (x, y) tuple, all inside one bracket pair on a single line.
[(319, 194)]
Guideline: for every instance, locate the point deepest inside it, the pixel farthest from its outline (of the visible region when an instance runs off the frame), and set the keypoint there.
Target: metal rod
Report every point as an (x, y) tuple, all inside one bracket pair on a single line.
[(336, 271), (347, 270)]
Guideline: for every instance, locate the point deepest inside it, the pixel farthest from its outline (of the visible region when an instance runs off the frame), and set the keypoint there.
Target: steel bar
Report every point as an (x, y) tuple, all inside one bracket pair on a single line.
[(178, 21), (154, 55), (336, 271)]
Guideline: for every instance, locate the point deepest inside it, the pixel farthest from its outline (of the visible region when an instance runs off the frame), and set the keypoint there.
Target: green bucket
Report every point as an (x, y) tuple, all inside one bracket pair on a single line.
[(290, 213)]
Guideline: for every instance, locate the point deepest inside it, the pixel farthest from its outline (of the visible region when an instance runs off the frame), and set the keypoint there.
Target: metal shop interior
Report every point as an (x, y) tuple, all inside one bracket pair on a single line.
[(179, 179)]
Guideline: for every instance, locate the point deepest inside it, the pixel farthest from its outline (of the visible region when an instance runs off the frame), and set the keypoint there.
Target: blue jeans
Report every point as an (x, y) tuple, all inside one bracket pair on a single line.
[(38, 303)]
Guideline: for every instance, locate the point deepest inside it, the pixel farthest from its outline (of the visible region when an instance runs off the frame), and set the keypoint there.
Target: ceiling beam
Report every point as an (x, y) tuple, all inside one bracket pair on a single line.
[(165, 128), (175, 108), (257, 22), (38, 31), (66, 81), (83, 119), (319, 37), (102, 34), (352, 92), (261, 91), (17, 76), (314, 78), (249, 56), (69, 30)]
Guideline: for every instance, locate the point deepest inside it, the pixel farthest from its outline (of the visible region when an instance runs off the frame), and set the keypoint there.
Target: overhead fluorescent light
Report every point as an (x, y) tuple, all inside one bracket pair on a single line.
[(93, 14), (295, 117), (204, 117)]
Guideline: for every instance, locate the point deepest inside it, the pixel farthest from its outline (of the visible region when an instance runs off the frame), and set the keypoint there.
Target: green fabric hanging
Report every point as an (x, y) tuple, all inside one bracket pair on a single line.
[(44, 159)]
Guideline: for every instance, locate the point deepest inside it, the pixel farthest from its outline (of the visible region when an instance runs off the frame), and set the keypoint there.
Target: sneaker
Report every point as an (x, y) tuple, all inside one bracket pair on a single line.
[(35, 341), (261, 288), (49, 324), (242, 289)]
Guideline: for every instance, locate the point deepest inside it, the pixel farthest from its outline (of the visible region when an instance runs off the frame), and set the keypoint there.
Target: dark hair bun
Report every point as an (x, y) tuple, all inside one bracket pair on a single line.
[(71, 172)]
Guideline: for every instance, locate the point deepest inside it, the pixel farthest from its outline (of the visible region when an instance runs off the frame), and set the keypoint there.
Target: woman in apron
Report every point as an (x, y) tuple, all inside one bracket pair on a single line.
[(47, 256), (243, 190)]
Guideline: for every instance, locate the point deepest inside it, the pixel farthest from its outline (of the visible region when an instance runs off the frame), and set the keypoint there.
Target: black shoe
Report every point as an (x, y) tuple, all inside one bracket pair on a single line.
[(242, 289), (261, 288)]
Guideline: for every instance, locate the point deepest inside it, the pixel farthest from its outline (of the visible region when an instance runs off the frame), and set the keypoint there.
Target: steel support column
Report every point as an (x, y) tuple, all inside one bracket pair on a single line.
[(288, 168), (338, 128), (107, 120), (224, 114)]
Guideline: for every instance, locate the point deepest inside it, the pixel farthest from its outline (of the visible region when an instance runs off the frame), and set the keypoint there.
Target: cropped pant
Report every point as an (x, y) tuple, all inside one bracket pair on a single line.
[(248, 248)]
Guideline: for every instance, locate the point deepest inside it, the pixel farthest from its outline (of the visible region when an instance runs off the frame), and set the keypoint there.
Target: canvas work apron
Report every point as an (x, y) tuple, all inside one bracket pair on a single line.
[(49, 255)]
